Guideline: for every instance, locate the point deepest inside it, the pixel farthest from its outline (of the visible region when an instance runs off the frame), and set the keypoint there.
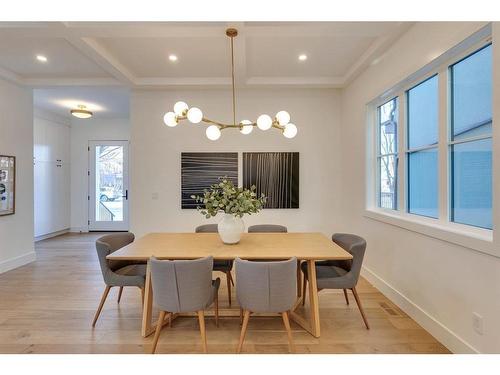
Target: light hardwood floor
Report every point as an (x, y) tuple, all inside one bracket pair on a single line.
[(48, 306)]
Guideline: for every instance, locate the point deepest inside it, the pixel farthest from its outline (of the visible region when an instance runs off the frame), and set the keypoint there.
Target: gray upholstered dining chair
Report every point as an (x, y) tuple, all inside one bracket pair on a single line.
[(266, 287), (184, 286), (117, 273), (224, 266), (274, 228), (267, 228), (331, 274)]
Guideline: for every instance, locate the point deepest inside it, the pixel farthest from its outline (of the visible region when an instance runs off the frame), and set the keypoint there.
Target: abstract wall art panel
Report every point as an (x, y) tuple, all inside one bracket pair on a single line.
[(199, 170), (275, 174), (7, 185)]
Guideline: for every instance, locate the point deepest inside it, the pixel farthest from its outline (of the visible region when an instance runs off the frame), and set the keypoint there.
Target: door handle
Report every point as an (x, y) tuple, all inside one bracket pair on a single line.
[(126, 195)]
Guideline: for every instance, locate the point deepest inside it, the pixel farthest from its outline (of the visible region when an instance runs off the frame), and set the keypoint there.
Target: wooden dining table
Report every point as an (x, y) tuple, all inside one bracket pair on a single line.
[(308, 247)]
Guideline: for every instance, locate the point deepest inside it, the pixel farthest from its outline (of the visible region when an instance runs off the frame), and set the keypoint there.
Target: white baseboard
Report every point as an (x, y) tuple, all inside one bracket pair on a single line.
[(16, 262), (50, 235), (79, 229), (442, 333)]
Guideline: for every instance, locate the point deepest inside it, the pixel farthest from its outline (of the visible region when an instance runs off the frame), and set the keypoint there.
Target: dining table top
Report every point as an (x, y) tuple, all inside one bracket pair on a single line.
[(271, 246)]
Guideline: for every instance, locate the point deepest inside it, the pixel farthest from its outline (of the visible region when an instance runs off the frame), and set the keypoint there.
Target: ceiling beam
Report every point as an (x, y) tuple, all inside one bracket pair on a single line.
[(374, 51), (58, 82), (318, 82), (102, 57), (162, 82), (9, 76)]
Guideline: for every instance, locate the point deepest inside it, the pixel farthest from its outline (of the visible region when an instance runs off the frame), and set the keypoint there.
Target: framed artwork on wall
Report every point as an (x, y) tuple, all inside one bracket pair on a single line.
[(199, 170), (7, 185), (276, 174)]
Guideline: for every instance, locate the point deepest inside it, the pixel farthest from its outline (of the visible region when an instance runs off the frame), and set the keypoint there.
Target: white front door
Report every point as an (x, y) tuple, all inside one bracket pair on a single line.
[(108, 186)]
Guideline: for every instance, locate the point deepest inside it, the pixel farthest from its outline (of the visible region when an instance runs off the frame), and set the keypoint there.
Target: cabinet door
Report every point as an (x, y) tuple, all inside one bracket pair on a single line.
[(42, 197), (60, 197), (65, 145)]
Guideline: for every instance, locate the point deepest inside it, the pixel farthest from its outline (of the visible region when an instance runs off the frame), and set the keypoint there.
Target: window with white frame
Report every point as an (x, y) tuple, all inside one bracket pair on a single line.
[(470, 139), (456, 188), (387, 158), (422, 148)]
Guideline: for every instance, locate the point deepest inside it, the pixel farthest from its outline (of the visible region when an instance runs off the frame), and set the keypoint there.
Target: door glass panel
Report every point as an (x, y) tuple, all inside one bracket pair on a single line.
[(109, 183)]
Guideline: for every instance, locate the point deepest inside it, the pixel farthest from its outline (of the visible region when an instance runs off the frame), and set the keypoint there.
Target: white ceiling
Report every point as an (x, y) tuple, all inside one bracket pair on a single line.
[(97, 63), (136, 54), (104, 102)]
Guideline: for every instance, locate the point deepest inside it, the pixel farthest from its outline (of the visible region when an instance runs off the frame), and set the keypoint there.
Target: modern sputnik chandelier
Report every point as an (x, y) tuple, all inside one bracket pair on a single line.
[(264, 122)]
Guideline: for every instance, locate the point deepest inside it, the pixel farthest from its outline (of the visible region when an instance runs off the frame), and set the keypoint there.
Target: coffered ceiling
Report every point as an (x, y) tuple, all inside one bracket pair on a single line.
[(137, 54)]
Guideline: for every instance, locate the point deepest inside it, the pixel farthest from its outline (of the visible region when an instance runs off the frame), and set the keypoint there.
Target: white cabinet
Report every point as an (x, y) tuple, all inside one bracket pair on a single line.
[(51, 176)]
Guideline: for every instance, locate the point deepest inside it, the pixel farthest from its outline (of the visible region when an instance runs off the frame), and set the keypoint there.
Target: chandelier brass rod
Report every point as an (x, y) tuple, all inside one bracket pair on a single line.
[(182, 111), (232, 77), (222, 126)]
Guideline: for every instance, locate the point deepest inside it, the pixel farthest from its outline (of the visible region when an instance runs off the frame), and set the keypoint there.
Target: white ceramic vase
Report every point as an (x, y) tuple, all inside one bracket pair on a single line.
[(230, 229)]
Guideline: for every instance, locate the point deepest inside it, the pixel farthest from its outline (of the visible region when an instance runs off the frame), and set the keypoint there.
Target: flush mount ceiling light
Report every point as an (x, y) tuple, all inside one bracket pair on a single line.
[(303, 57), (81, 112), (281, 120), (172, 58)]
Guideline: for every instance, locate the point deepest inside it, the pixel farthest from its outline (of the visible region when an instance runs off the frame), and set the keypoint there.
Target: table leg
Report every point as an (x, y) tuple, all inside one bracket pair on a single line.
[(299, 279), (313, 298), (147, 311), (312, 326)]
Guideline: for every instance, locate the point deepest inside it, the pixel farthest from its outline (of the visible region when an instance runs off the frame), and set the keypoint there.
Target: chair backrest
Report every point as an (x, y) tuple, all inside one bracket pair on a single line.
[(267, 228), (207, 228), (181, 285), (108, 244), (266, 286), (356, 246)]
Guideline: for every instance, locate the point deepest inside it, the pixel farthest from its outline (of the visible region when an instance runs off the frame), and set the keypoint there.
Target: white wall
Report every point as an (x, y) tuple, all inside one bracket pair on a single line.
[(156, 151), (83, 131), (16, 138), (51, 173), (440, 284)]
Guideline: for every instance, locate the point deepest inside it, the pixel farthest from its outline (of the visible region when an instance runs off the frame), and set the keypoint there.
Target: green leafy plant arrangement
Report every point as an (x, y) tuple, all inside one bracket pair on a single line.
[(227, 198)]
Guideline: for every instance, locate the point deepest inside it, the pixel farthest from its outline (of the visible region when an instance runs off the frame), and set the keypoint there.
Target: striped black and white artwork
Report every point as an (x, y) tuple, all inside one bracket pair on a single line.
[(199, 170), (276, 174)]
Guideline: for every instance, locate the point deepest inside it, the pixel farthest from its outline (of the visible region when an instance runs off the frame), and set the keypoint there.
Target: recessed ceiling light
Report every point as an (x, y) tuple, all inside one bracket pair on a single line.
[(303, 57), (172, 57), (41, 58), (81, 112)]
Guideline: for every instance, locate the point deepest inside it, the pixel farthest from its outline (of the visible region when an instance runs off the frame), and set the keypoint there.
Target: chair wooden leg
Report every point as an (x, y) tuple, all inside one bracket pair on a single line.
[(246, 317), (346, 297), (228, 279), (217, 309), (356, 297), (231, 278), (299, 275), (241, 316), (142, 295), (101, 304), (120, 294), (304, 289), (159, 326), (201, 319), (288, 331)]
